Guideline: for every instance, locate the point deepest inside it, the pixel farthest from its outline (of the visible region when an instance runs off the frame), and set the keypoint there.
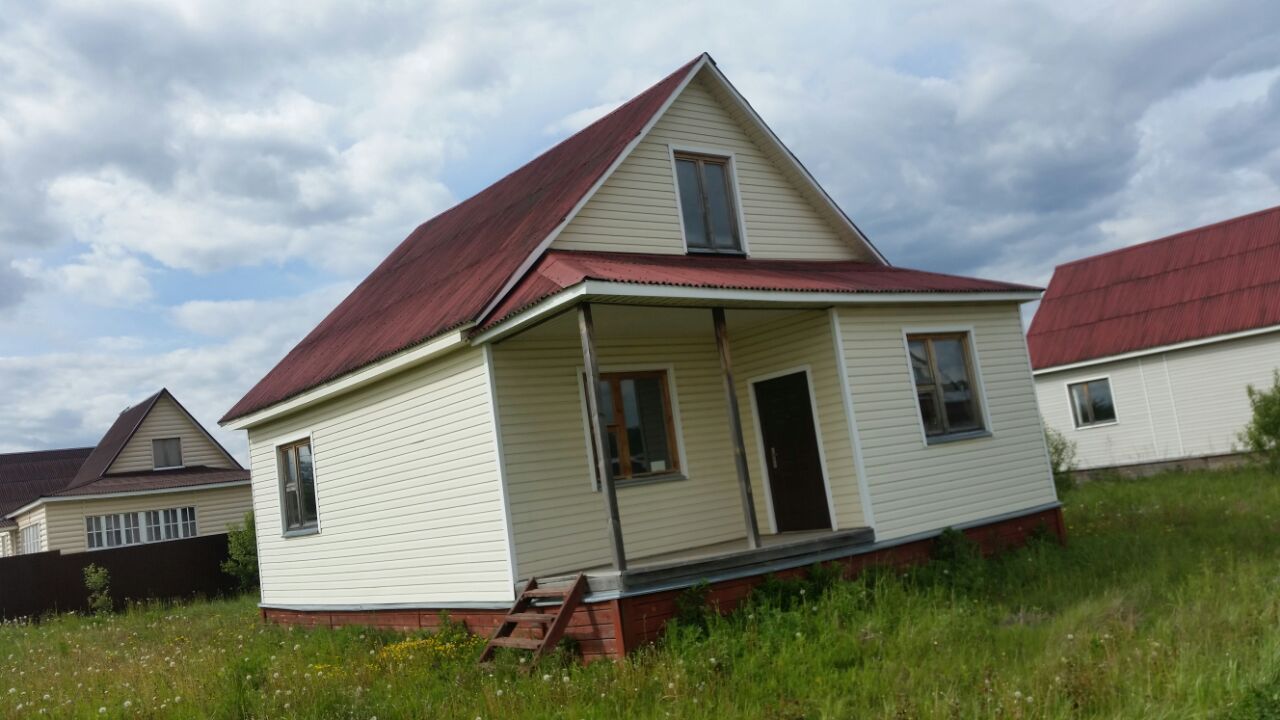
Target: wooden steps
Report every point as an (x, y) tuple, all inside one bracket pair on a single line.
[(551, 619)]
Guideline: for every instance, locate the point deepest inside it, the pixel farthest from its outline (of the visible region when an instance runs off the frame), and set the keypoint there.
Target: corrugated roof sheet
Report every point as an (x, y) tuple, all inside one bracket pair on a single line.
[(1218, 279), (558, 270), (114, 441), (26, 476), (450, 268), (194, 476)]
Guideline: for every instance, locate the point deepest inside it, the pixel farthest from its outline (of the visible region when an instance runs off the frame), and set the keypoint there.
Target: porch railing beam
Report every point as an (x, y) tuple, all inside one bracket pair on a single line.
[(735, 430), (604, 471)]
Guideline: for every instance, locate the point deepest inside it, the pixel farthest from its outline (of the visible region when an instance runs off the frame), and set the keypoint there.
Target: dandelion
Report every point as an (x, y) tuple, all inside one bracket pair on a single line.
[(713, 661), (546, 678), (128, 704), (564, 679), (102, 711), (499, 692)]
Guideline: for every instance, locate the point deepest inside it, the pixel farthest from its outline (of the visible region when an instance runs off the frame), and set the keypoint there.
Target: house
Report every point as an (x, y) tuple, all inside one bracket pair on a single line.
[(657, 353), (157, 475), (1142, 355)]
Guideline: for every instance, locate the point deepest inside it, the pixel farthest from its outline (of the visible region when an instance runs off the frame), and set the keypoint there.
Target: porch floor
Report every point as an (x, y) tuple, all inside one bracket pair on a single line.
[(720, 560)]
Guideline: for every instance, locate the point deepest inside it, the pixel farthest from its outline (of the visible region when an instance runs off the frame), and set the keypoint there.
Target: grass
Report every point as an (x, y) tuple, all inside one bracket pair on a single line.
[(1165, 604)]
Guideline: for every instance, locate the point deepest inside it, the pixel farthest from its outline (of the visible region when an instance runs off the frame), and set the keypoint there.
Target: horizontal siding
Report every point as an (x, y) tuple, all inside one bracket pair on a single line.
[(915, 487), (216, 509), (635, 209), (558, 519), (166, 420), (37, 516), (801, 340), (1183, 403), (408, 491)]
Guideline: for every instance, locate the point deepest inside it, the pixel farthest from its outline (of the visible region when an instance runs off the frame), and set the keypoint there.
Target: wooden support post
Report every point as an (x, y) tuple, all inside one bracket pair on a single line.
[(735, 430), (587, 333)]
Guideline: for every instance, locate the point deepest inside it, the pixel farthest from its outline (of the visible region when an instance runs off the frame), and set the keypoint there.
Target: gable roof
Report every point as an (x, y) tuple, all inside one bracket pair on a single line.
[(559, 270), (26, 476), (109, 447), (1214, 280), (455, 268)]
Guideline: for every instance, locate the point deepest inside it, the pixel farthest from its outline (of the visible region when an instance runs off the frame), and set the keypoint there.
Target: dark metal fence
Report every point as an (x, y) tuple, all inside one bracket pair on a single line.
[(32, 585)]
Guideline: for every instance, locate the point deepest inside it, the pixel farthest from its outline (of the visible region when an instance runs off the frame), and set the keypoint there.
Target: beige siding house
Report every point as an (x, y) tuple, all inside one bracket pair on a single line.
[(157, 475), (656, 354), (1143, 355)]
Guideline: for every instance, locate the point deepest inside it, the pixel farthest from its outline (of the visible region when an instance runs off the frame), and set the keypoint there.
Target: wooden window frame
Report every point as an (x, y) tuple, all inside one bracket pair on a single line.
[(616, 428), (978, 408), (731, 200), (283, 452), (1079, 422), (181, 460)]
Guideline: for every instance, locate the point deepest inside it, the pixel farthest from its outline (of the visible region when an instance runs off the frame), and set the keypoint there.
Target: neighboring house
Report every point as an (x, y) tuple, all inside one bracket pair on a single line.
[(156, 475), (669, 284), (1142, 355)]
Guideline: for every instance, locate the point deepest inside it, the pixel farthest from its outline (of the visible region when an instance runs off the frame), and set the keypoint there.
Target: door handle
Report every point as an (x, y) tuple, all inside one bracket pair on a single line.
[(773, 457)]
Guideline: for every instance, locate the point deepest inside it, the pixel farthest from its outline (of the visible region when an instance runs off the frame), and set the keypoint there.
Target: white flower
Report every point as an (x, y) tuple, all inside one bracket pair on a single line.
[(564, 679), (102, 711), (128, 704), (713, 661), (546, 678), (499, 693)]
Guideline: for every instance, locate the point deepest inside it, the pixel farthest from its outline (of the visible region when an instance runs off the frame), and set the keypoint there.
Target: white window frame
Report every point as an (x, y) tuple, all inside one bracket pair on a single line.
[(181, 455), (1071, 403), (988, 430), (817, 430), (38, 528), (580, 380), (731, 166), (101, 526), (293, 439)]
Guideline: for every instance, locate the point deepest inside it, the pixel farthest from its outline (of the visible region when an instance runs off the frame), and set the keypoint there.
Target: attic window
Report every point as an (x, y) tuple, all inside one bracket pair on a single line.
[(166, 453), (706, 204)]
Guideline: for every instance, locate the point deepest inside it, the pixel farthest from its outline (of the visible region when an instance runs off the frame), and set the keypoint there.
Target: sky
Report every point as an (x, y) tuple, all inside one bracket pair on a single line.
[(188, 187)]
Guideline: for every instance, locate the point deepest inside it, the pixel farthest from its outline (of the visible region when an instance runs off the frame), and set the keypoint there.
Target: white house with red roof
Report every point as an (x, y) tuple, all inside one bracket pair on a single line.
[(1142, 355), (156, 475), (656, 354)]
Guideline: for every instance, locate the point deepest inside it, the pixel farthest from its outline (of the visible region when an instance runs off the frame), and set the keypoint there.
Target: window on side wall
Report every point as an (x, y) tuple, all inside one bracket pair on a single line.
[(1091, 402), (166, 453), (707, 204), (32, 539), (946, 389), (298, 488), (635, 410)]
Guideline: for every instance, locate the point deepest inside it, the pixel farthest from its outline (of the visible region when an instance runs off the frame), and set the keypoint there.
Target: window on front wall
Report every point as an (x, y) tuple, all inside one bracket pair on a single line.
[(135, 528), (946, 392), (1091, 402), (166, 453), (298, 487), (635, 410), (32, 539), (706, 204)]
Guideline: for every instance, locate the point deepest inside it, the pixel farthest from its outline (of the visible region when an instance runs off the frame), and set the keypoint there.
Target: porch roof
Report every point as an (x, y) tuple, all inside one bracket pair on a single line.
[(559, 270)]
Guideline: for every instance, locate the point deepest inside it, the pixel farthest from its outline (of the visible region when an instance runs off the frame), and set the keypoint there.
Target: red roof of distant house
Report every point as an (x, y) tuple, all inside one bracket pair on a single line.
[(28, 475), (558, 270), (1218, 279), (451, 267)]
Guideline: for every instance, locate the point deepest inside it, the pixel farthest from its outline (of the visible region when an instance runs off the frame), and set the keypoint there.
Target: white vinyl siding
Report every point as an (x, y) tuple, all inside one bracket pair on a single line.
[(1178, 404), (635, 209), (916, 487), (408, 491), (8, 543), (216, 508), (166, 420)]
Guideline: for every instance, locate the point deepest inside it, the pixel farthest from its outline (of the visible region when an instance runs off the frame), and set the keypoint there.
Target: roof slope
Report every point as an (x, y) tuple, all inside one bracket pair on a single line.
[(1218, 279), (558, 270), (450, 268), (28, 475), (113, 442)]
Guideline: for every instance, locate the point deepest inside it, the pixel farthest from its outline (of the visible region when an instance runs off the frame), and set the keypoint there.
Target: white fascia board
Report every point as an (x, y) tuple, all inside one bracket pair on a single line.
[(403, 360), (125, 494), (596, 288), (1158, 350)]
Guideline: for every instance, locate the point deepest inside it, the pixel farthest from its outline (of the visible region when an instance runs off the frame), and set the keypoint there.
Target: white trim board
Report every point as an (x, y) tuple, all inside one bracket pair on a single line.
[(501, 461), (855, 438), (1158, 349), (766, 479), (135, 493)]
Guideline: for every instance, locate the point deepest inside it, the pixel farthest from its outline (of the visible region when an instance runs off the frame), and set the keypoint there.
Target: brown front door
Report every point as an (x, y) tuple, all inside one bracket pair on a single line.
[(791, 453)]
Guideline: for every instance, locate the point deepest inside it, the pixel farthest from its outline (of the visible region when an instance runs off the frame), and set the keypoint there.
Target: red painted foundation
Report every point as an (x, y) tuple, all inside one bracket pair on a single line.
[(612, 628)]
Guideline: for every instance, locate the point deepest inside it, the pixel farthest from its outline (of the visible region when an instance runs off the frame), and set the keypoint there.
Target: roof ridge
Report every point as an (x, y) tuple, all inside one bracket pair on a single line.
[(1180, 233), (1168, 271), (1149, 309)]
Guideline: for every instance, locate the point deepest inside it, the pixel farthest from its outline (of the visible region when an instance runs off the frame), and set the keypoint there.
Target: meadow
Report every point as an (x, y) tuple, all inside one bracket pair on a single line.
[(1165, 603)]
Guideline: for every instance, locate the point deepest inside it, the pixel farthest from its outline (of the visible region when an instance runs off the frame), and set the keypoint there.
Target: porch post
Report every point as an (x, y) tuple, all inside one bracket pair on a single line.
[(587, 332), (735, 430)]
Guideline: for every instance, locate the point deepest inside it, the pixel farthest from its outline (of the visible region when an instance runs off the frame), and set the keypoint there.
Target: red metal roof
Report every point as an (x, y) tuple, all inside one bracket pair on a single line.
[(560, 269), (450, 268), (1218, 279), (194, 476)]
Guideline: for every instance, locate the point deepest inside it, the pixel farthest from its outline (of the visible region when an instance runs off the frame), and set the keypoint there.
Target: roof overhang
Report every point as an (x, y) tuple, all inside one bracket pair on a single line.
[(1157, 350), (123, 494), (682, 296), (399, 362)]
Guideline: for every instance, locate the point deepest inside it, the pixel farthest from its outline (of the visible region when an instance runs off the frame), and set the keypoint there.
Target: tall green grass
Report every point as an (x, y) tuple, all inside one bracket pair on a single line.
[(1164, 604)]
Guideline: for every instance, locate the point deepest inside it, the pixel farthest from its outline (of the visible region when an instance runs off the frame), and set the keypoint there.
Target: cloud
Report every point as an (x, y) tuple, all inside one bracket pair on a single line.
[(102, 276)]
